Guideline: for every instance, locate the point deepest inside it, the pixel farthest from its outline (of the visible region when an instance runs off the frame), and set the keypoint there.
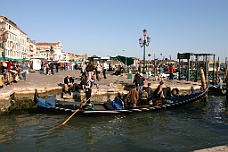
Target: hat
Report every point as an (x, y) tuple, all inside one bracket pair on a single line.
[(141, 74)]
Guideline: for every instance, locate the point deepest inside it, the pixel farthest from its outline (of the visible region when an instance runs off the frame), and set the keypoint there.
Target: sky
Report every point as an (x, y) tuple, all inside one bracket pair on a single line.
[(113, 27)]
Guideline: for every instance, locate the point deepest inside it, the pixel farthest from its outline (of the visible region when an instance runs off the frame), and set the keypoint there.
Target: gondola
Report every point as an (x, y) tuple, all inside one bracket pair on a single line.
[(115, 106), (217, 89)]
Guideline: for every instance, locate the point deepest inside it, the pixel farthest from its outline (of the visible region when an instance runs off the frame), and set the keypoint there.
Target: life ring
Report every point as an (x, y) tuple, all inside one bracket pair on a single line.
[(175, 91)]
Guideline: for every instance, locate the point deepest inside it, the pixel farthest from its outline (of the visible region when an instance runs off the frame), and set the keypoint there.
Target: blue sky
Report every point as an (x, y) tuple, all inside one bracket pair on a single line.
[(107, 27)]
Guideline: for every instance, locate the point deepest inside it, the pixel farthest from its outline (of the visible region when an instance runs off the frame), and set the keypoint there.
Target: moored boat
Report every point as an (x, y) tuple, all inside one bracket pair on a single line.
[(52, 103), (217, 89)]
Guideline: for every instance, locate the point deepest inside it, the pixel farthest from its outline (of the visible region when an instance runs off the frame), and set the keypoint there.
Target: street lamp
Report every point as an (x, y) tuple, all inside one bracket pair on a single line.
[(143, 43)]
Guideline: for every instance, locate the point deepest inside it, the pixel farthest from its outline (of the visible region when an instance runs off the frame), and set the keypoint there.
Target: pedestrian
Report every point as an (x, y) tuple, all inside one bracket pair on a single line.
[(89, 69), (140, 82), (47, 68), (51, 66), (23, 70), (171, 71), (98, 70), (104, 69), (57, 67), (135, 77)]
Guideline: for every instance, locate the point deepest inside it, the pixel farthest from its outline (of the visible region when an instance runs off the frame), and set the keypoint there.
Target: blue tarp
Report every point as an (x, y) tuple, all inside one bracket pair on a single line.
[(117, 105), (47, 103)]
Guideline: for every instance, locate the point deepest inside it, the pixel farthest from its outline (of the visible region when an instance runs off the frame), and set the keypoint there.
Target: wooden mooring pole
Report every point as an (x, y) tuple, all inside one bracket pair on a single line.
[(203, 80)]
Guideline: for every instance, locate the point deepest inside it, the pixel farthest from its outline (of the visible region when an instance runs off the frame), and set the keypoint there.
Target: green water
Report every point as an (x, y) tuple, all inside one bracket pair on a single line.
[(184, 128)]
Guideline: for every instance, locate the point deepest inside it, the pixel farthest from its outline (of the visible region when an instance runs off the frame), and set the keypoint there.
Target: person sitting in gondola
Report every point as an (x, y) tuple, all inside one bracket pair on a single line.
[(158, 93), (132, 98), (68, 83), (143, 97), (149, 91)]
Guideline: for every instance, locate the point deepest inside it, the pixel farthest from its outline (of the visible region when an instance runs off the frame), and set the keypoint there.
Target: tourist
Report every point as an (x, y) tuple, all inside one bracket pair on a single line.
[(104, 69), (57, 67), (47, 68), (82, 82), (131, 98), (89, 69), (83, 69), (149, 91), (158, 93), (171, 71), (140, 82), (98, 70), (135, 77), (68, 83), (51, 66), (24, 69)]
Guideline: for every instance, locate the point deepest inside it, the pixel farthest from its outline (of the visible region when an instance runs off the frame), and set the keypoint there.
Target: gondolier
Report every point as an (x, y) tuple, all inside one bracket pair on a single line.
[(88, 88)]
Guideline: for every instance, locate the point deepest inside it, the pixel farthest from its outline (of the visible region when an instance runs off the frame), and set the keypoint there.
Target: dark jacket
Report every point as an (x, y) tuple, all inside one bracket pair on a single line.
[(71, 80), (140, 80), (149, 91)]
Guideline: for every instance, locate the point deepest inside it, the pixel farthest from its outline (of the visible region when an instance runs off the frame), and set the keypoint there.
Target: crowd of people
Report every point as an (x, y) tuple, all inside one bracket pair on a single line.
[(12, 71), (90, 74), (139, 95)]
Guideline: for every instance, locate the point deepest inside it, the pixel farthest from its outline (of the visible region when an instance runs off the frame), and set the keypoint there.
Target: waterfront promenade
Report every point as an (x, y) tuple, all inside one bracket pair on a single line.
[(51, 82)]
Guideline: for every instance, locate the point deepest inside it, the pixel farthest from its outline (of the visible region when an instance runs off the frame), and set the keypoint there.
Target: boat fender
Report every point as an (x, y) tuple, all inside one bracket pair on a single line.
[(175, 91)]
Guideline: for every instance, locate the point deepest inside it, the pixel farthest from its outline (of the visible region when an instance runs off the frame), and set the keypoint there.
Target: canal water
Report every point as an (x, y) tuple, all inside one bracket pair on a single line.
[(185, 128)]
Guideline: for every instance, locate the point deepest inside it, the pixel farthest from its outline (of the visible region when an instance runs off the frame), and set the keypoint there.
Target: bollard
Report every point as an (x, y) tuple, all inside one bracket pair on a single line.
[(203, 81)]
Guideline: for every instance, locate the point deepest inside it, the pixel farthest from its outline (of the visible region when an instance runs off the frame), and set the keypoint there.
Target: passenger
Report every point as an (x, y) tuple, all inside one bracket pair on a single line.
[(158, 93), (132, 98), (149, 91), (68, 83), (143, 98)]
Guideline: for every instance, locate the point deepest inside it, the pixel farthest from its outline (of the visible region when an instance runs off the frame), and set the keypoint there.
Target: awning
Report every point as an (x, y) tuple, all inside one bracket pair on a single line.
[(125, 59)]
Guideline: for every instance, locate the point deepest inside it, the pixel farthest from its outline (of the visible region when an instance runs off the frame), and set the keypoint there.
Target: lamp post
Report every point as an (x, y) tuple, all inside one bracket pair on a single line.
[(143, 43)]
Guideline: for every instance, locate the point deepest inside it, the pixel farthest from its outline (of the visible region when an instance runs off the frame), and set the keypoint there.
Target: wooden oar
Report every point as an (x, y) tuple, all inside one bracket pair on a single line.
[(76, 111), (83, 103)]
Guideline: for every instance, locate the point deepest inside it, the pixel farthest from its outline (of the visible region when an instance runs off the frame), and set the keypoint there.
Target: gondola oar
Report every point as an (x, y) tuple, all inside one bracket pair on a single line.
[(83, 103)]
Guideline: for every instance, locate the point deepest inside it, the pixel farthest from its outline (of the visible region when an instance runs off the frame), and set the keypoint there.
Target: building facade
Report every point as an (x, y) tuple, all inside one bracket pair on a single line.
[(13, 40), (15, 44), (50, 51)]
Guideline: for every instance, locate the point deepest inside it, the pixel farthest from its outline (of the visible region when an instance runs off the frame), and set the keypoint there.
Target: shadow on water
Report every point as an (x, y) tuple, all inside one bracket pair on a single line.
[(184, 128)]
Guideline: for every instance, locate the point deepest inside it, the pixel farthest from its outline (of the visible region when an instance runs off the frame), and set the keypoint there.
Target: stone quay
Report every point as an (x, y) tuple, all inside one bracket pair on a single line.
[(48, 85)]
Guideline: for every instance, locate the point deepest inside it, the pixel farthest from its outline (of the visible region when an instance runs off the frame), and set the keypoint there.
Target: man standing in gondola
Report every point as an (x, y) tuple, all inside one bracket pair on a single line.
[(88, 88)]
